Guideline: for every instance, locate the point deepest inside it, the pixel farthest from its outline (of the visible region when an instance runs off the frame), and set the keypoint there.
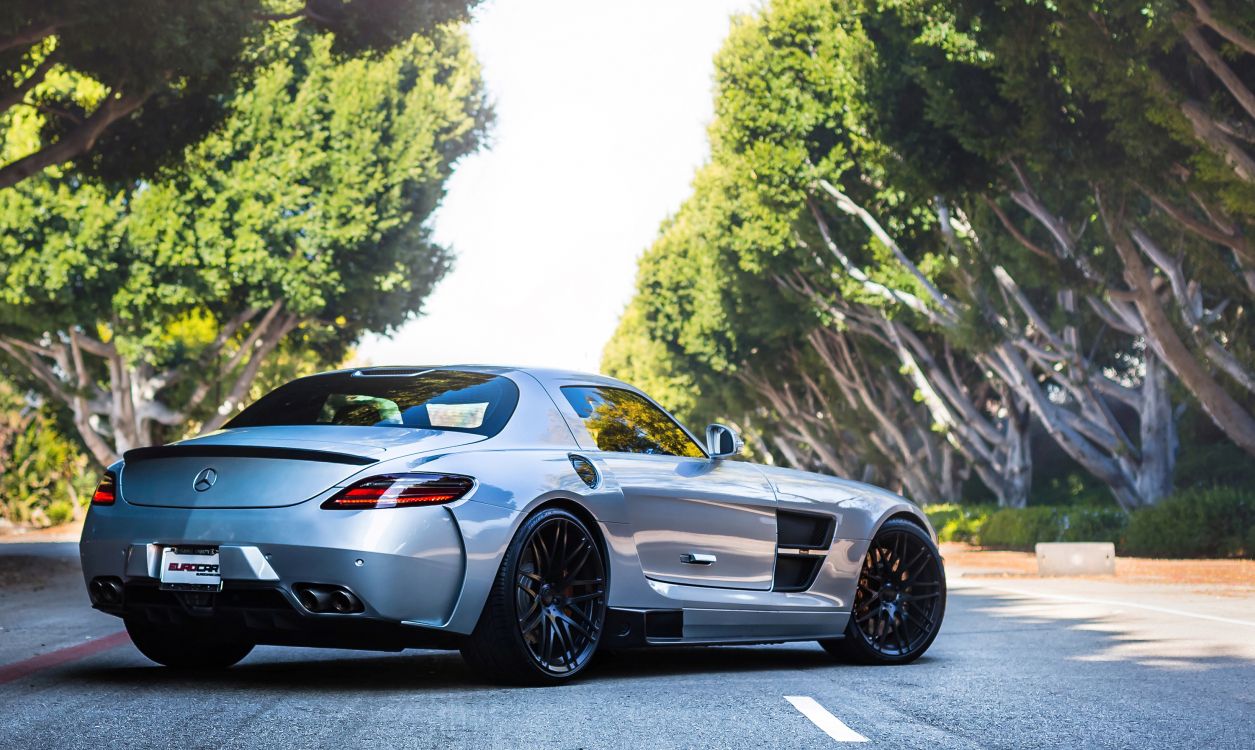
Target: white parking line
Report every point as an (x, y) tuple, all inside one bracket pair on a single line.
[(820, 717), (1102, 602)]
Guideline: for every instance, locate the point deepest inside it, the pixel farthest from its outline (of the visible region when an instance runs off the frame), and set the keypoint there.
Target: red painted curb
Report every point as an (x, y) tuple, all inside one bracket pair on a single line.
[(18, 670)]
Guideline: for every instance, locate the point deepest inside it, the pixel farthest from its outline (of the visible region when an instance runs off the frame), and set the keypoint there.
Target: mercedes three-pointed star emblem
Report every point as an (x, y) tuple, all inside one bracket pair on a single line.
[(205, 479)]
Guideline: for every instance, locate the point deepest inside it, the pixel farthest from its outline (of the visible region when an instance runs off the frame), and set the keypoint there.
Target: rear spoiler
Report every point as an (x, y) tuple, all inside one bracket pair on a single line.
[(243, 451)]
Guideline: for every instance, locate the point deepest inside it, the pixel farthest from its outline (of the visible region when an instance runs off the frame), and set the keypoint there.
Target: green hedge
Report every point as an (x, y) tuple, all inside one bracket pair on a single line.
[(1205, 522), (959, 523), (1214, 522), (1021, 528)]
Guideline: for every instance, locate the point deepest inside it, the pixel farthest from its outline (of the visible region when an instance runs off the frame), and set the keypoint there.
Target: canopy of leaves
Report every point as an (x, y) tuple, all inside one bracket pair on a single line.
[(172, 63), (313, 193)]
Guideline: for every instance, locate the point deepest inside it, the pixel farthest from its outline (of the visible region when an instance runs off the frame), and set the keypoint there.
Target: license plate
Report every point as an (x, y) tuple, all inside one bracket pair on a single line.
[(190, 569)]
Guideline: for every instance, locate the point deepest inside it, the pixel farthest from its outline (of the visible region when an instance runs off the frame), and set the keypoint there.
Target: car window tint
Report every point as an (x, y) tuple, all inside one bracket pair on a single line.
[(624, 422), (435, 400)]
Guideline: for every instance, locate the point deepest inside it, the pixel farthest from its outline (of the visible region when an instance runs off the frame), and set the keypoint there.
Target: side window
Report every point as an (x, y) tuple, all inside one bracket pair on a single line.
[(623, 422)]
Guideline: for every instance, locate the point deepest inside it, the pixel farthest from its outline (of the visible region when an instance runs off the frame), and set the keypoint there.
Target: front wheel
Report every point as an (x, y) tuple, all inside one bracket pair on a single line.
[(545, 614), (900, 600), (186, 647)]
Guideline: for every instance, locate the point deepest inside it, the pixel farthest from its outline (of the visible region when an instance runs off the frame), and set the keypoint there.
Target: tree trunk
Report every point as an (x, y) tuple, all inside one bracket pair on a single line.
[(1017, 464), (1158, 435), (1224, 410)]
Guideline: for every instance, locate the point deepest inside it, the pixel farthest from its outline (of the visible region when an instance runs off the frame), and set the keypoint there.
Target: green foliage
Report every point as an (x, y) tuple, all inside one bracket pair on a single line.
[(1081, 524), (1021, 528), (634, 357), (958, 523), (44, 477), (312, 198), (1200, 522), (175, 62), (974, 106), (1207, 459)]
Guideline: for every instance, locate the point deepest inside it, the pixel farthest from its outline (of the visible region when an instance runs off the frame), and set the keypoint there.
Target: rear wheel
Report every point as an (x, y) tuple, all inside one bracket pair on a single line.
[(186, 646), (900, 600), (547, 609)]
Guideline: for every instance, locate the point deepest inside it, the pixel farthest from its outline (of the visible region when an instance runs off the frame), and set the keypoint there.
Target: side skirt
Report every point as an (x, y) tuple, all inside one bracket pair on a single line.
[(634, 628)]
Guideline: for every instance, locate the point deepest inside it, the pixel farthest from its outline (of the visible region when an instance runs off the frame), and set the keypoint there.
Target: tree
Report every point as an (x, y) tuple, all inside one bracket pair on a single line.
[(122, 87), (42, 472), (978, 192), (150, 309)]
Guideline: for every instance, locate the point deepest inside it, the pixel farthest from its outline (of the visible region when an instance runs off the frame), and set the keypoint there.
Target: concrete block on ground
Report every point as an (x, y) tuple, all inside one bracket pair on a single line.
[(1076, 559)]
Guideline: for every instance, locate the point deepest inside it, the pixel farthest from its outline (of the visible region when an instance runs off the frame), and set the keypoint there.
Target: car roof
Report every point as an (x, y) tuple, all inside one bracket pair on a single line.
[(546, 375)]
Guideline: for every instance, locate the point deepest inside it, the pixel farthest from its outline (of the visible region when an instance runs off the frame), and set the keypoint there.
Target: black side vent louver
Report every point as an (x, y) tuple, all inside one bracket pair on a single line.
[(802, 541)]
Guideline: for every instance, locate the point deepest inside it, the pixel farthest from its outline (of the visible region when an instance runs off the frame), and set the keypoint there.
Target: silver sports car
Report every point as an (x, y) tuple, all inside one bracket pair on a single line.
[(526, 517)]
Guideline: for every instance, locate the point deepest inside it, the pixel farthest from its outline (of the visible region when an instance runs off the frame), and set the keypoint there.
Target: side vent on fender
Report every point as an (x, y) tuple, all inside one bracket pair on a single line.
[(585, 469), (804, 530), (796, 572), (802, 542)]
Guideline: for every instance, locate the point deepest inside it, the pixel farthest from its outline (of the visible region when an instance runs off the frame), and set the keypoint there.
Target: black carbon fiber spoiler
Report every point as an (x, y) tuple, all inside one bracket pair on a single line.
[(244, 451)]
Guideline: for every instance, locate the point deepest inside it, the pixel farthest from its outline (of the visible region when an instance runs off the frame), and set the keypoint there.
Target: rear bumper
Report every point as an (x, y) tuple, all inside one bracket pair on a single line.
[(268, 614), (408, 566)]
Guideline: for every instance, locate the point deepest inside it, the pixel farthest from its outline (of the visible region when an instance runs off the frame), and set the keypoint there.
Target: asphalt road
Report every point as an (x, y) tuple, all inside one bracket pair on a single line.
[(1019, 663)]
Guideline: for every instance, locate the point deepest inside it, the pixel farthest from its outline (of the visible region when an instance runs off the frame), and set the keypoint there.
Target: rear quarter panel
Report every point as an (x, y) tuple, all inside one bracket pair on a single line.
[(511, 483)]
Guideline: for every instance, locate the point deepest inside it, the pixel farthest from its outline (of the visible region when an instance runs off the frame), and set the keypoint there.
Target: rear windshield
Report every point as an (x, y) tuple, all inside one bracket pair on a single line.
[(434, 400)]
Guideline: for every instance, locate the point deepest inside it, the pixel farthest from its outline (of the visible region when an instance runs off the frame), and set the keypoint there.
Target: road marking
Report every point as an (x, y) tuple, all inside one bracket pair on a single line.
[(20, 669), (1104, 602), (820, 717)]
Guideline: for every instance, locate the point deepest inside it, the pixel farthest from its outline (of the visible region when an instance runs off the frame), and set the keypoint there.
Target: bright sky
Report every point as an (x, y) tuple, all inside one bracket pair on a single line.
[(602, 110)]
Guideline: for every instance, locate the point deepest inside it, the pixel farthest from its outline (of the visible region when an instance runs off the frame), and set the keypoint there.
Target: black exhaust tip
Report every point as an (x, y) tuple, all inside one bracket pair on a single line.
[(344, 602), (327, 599), (313, 598), (105, 590)]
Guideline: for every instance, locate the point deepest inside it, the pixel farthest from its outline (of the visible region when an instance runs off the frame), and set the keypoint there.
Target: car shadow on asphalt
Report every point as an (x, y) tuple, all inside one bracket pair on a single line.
[(366, 672)]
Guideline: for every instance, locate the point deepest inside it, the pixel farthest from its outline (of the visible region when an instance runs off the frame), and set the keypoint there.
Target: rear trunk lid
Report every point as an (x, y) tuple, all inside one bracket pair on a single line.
[(267, 467)]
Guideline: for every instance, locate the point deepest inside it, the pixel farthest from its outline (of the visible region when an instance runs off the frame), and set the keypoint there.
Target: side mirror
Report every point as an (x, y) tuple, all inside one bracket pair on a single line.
[(722, 441)]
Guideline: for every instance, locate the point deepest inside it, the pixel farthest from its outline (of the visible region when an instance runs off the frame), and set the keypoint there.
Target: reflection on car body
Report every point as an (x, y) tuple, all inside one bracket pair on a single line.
[(526, 517)]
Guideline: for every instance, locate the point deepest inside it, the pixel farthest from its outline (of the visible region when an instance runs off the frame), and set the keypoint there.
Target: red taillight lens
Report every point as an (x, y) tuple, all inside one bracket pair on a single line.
[(107, 491), (400, 491)]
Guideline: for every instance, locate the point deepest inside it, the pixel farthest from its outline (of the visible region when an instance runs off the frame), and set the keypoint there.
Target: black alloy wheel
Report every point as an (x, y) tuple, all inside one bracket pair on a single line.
[(560, 591), (547, 610), (900, 599)]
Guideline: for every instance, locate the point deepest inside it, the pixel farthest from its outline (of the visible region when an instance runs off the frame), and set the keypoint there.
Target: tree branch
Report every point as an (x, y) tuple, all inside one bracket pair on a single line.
[(894, 295), (1028, 244), (1206, 130), (261, 329), (1189, 302), (28, 37), (849, 206), (1203, 11), (34, 79), (261, 349), (1230, 416), (1219, 68), (75, 143)]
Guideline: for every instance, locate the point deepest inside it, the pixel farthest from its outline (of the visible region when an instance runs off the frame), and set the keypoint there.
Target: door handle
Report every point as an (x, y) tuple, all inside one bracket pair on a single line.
[(697, 558)]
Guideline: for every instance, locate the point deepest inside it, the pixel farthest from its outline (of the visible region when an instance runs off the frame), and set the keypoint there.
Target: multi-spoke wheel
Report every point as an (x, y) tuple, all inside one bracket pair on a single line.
[(547, 609), (900, 600)]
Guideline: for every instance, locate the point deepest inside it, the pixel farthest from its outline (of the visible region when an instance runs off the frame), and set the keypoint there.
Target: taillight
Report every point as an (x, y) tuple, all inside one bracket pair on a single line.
[(399, 491), (107, 491)]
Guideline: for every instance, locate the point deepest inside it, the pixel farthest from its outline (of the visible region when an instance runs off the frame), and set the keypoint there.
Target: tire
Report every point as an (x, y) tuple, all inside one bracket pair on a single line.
[(544, 617), (900, 599), (186, 646)]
